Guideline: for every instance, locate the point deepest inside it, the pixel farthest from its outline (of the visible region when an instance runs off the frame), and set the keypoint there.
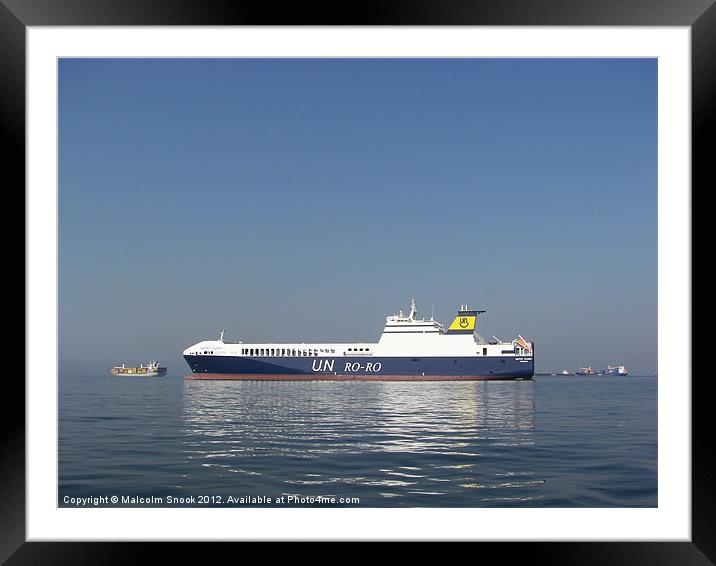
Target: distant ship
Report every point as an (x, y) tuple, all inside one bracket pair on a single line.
[(410, 348), (585, 371), (617, 370), (152, 369)]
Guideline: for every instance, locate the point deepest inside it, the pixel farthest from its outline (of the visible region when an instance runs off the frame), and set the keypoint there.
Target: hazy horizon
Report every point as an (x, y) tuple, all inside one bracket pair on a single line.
[(303, 200)]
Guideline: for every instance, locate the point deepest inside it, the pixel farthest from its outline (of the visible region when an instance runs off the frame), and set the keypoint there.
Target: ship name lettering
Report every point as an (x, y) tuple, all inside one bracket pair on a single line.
[(356, 366), (322, 365)]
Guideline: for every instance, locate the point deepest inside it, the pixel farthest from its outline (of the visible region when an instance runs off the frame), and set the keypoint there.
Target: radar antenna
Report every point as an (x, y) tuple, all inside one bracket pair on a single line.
[(221, 335)]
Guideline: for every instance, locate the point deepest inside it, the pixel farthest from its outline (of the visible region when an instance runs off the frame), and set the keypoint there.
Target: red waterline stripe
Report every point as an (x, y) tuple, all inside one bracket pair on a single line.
[(305, 377)]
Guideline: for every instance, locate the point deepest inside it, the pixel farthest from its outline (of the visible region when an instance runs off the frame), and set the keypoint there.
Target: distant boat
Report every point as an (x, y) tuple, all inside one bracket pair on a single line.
[(585, 371), (617, 370), (152, 369), (566, 372)]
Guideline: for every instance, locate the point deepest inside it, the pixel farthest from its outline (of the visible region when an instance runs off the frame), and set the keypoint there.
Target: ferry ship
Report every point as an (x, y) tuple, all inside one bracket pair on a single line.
[(152, 369), (410, 348)]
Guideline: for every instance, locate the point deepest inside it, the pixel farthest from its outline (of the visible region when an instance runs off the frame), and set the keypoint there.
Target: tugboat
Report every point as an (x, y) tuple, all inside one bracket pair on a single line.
[(152, 369), (410, 348)]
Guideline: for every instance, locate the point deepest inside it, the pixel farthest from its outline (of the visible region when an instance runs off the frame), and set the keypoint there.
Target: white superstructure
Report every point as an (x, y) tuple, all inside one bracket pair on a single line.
[(402, 336)]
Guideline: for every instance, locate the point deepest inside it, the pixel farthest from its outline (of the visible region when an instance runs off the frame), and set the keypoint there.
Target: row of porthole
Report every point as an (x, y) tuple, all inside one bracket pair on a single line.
[(358, 349)]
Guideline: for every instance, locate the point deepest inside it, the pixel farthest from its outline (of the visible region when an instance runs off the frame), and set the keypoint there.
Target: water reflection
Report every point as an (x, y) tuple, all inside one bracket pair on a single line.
[(426, 443)]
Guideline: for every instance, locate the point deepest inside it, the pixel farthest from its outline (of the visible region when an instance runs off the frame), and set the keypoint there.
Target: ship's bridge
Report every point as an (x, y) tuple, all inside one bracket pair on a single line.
[(400, 326), (399, 323)]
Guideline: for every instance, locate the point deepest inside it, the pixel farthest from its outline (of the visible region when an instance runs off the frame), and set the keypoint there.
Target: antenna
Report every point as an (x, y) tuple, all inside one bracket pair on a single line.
[(432, 314)]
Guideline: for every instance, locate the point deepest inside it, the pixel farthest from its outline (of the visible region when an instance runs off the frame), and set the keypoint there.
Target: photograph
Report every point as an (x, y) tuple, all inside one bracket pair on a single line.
[(424, 279), (363, 282)]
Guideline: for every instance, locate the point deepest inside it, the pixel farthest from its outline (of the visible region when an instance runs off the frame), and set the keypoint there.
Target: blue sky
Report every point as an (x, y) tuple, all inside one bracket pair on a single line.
[(306, 199)]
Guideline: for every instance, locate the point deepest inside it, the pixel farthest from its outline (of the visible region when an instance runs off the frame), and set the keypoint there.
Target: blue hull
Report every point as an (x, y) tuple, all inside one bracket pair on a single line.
[(503, 367)]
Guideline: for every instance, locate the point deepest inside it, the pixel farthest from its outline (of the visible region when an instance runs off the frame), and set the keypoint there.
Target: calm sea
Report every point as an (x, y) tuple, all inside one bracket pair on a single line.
[(552, 442)]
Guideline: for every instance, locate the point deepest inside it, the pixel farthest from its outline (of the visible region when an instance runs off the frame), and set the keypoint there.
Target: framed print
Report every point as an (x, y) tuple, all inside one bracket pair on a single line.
[(187, 167)]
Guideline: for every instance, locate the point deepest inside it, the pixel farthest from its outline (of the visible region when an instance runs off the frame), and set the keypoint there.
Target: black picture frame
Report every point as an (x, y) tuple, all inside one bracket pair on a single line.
[(17, 15)]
